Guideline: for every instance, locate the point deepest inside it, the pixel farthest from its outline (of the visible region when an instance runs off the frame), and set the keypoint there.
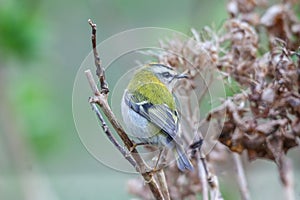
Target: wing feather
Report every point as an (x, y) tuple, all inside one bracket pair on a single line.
[(160, 115)]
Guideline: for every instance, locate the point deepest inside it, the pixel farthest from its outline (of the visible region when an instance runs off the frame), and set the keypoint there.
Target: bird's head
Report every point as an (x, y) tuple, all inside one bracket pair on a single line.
[(167, 75)]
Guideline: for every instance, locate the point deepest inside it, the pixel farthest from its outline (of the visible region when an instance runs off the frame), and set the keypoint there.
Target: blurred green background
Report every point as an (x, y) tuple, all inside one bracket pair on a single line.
[(42, 44)]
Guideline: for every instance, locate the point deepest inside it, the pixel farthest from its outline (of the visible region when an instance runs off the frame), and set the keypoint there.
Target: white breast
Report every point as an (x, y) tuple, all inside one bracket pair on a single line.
[(138, 126)]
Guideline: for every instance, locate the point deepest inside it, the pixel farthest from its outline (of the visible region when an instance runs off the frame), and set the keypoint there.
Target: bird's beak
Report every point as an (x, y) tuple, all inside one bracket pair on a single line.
[(179, 76), (183, 75)]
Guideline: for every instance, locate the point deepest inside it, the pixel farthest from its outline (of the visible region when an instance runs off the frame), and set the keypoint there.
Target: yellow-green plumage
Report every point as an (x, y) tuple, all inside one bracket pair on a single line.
[(147, 87)]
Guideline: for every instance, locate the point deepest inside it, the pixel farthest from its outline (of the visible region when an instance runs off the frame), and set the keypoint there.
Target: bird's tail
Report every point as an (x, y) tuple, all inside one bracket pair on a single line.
[(183, 161)]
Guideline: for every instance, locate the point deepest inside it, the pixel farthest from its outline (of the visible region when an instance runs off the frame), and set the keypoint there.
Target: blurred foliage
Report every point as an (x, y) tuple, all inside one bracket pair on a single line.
[(38, 113), (20, 31), (21, 39)]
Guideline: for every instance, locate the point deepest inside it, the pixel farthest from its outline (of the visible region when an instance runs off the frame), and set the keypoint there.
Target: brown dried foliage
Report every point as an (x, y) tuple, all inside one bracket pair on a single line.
[(263, 118)]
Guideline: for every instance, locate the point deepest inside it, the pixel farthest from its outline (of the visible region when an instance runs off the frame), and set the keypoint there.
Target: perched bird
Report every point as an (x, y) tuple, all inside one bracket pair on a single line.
[(149, 110)]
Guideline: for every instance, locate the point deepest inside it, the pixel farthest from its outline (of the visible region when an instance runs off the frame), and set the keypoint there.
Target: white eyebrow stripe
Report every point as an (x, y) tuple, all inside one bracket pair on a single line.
[(161, 65)]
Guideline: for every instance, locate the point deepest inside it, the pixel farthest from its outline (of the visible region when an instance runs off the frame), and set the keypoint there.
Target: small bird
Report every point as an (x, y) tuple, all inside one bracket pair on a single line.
[(149, 110)]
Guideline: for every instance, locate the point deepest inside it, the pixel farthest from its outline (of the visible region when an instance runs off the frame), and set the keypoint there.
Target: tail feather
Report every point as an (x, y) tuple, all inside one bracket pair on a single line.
[(183, 161)]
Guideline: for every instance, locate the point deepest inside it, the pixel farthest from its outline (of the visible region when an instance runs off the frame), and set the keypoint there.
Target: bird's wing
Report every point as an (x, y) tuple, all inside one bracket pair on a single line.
[(160, 115)]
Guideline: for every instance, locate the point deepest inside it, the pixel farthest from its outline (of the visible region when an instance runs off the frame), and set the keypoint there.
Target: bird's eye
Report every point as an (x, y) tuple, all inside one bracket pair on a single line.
[(166, 74)]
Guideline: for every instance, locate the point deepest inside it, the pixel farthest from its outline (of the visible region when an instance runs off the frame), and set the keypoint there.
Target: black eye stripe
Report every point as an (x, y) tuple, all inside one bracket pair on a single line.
[(166, 74)]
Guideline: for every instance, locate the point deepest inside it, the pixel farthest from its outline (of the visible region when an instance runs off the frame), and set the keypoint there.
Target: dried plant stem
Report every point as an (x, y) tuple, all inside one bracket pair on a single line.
[(215, 193), (241, 177), (100, 99), (110, 136), (160, 174), (286, 176), (207, 178), (203, 178), (99, 70), (204, 173)]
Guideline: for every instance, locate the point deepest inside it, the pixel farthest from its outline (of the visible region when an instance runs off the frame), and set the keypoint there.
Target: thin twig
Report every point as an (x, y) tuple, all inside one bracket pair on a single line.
[(92, 82), (111, 137), (205, 175), (286, 176), (211, 179), (202, 171), (203, 179), (241, 177), (160, 174), (99, 70)]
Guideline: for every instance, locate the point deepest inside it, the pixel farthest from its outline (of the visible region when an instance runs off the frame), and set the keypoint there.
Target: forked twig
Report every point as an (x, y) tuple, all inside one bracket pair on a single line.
[(100, 99), (104, 126)]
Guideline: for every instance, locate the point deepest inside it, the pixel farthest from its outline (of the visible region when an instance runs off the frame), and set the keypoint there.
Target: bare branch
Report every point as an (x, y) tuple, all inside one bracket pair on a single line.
[(111, 137), (286, 175), (92, 83), (205, 175), (203, 178), (101, 99), (160, 174), (241, 177), (99, 70), (212, 181)]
